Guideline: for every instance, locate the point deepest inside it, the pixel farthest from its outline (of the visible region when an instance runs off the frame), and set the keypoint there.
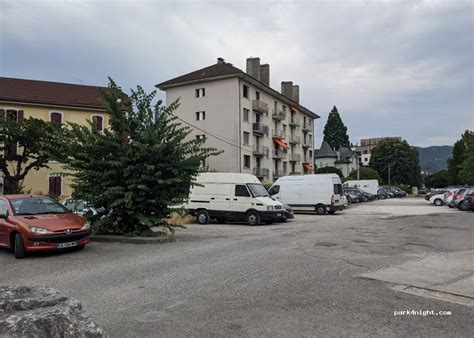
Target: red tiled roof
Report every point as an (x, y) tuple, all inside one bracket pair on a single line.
[(50, 93)]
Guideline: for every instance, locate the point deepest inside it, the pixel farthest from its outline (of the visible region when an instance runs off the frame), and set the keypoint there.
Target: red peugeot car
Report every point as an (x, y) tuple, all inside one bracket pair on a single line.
[(34, 223)]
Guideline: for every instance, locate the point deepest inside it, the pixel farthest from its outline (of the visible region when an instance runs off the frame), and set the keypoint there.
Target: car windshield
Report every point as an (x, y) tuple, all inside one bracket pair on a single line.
[(258, 190), (36, 206)]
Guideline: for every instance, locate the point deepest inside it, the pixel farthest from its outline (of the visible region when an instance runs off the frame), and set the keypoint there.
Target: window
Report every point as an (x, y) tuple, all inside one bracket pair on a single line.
[(55, 185), (200, 115), (285, 167), (241, 191), (274, 190), (200, 92), (338, 189), (246, 91), (284, 109), (246, 114), (3, 207), (257, 95), (246, 161), (97, 122), (366, 159), (56, 119), (246, 138)]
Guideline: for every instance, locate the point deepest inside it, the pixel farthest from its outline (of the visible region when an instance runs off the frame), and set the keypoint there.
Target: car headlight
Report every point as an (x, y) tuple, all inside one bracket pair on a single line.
[(86, 226), (270, 207), (39, 230)]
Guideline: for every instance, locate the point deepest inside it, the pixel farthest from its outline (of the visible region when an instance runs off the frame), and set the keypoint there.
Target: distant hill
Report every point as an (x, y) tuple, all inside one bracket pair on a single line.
[(434, 158)]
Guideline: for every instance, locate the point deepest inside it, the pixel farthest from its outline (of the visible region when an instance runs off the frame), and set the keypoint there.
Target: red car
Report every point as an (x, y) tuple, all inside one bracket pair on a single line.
[(34, 223)]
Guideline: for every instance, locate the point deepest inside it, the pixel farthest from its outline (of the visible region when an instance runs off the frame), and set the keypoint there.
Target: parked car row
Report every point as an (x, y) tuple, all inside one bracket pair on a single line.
[(458, 197)]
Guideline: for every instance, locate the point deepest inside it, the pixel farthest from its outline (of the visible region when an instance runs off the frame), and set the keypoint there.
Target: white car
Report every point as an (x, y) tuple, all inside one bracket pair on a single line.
[(437, 199)]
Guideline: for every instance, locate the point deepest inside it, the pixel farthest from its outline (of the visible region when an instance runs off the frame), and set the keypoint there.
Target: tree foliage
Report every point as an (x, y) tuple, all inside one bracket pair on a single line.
[(26, 144), (456, 163), (437, 180), (138, 167), (329, 170), (402, 159), (467, 168), (335, 132), (365, 173)]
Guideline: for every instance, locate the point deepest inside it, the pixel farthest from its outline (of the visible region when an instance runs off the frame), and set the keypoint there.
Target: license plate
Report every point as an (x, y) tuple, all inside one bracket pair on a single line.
[(66, 245)]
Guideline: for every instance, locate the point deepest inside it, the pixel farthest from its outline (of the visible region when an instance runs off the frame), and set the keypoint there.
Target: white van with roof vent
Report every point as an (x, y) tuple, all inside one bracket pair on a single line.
[(232, 197), (318, 192)]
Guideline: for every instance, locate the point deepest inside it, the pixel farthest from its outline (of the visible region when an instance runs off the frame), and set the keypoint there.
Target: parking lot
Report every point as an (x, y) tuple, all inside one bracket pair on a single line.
[(344, 274)]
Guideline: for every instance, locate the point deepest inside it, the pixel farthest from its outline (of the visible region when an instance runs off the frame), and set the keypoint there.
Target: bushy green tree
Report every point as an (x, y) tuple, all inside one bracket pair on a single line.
[(365, 173), (25, 145), (138, 167), (402, 160), (467, 168), (335, 132), (329, 170), (455, 164), (437, 180)]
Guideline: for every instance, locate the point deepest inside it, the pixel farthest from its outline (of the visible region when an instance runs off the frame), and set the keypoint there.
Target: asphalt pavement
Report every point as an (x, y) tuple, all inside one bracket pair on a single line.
[(313, 276)]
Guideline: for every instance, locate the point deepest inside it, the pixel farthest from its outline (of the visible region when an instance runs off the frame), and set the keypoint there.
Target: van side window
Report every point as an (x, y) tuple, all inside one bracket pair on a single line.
[(241, 191), (274, 190)]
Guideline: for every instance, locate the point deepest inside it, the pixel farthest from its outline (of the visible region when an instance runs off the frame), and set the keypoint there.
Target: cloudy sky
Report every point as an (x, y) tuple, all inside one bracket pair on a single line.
[(392, 68)]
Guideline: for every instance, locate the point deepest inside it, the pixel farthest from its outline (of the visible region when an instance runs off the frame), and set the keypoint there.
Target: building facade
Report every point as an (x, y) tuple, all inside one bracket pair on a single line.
[(59, 103), (261, 131), (343, 159), (366, 146)]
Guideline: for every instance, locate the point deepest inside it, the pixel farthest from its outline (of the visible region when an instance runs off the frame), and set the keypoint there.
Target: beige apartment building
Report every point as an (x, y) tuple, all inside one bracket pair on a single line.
[(366, 146), (261, 131)]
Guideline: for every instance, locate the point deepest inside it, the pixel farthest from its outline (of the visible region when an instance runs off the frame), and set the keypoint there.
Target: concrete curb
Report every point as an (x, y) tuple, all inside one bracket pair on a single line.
[(131, 240)]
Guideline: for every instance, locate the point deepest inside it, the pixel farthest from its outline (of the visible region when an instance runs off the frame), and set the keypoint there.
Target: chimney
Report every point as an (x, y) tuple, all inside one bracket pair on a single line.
[(220, 60), (253, 67), (265, 74), (287, 88), (295, 94)]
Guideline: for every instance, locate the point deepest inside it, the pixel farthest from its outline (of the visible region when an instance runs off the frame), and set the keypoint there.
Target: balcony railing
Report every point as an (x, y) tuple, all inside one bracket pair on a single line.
[(294, 122), (279, 173), (260, 129), (260, 106), (278, 133), (308, 126), (295, 172), (279, 154), (306, 143), (295, 157), (295, 139), (261, 151), (307, 159), (261, 172), (278, 115)]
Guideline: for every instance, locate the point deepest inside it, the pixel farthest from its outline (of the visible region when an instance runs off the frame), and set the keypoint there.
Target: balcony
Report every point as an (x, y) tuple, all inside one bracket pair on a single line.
[(307, 159), (308, 126), (260, 106), (295, 172), (278, 134), (261, 172), (295, 158), (294, 122), (278, 154), (278, 115), (261, 151), (306, 143), (295, 139), (279, 173), (260, 129)]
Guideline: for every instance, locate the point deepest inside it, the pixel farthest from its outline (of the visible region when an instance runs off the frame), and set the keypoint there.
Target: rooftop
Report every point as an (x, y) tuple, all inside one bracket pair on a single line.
[(325, 151)]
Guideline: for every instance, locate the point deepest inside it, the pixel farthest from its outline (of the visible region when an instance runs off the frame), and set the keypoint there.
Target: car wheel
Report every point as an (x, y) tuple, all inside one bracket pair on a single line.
[(320, 209), (202, 217), (438, 202), (252, 218), (463, 206), (18, 246)]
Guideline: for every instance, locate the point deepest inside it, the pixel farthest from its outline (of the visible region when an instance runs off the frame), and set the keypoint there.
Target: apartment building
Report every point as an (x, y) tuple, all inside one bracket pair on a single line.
[(262, 131), (366, 146), (50, 101)]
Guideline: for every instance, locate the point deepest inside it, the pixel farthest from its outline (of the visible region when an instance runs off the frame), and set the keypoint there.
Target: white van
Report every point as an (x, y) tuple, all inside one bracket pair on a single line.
[(319, 192), (232, 197), (370, 186)]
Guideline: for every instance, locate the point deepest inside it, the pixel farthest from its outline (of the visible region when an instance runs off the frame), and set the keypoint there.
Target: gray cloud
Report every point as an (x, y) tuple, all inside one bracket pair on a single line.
[(391, 67)]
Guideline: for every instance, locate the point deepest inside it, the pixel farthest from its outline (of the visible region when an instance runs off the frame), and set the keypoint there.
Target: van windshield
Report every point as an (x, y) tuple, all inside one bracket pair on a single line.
[(257, 190)]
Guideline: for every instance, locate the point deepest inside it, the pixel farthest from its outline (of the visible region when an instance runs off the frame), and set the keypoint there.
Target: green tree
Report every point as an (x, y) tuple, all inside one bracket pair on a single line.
[(335, 132), (26, 144), (437, 180), (328, 170), (455, 163), (467, 168), (365, 173), (138, 167), (398, 157)]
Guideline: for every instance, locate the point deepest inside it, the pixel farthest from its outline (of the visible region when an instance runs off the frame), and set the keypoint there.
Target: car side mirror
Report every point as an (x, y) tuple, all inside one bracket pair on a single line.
[(3, 214)]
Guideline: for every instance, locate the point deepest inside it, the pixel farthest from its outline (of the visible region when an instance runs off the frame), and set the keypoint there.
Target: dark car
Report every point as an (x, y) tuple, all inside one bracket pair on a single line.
[(459, 201), (396, 191), (468, 203), (355, 195), (382, 194)]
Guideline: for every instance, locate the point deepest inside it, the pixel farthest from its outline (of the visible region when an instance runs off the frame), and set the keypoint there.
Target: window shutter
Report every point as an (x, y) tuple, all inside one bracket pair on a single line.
[(97, 121), (58, 185), (20, 116), (51, 185)]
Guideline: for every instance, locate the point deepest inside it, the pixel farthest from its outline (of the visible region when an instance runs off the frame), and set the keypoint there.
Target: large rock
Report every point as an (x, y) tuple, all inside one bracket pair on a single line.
[(42, 312)]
